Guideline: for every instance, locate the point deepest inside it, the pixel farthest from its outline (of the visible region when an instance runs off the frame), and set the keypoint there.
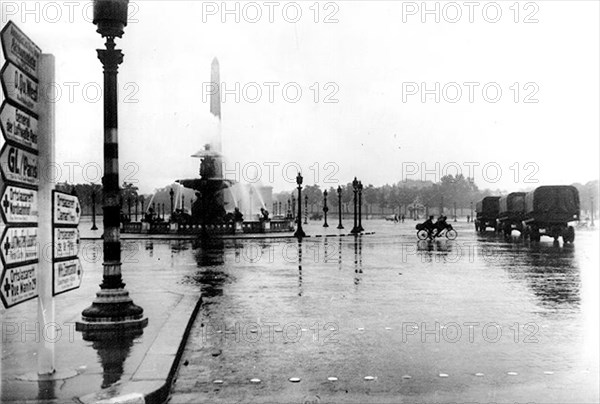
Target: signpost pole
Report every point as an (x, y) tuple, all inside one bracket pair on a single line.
[(46, 313)]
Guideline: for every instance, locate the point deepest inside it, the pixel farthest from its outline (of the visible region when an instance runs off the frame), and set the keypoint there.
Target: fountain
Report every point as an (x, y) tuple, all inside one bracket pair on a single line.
[(215, 211)]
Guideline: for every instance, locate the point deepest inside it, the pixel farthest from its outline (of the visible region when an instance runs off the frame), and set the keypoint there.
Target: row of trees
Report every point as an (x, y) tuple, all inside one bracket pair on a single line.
[(404, 196), (399, 198)]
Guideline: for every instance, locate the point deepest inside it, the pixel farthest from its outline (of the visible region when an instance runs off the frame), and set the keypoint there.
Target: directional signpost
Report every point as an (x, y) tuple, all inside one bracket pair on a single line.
[(18, 126), (19, 284), (27, 144), (20, 50), (19, 205), (66, 271), (19, 120)]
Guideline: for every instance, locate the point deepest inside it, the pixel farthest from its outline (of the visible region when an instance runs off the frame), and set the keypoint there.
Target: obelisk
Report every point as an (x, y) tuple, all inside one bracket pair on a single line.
[(215, 108)]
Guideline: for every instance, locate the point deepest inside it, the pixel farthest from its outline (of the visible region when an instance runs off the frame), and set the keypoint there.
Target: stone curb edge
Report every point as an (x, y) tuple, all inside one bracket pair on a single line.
[(149, 385)]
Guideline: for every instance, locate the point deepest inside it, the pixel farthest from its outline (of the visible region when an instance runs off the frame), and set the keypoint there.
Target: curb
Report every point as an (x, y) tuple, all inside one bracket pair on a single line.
[(255, 236), (151, 382)]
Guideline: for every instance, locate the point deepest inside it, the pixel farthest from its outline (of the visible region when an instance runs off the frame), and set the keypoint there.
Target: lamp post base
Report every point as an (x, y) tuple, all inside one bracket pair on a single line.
[(340, 226), (112, 310), (299, 233), (355, 230)]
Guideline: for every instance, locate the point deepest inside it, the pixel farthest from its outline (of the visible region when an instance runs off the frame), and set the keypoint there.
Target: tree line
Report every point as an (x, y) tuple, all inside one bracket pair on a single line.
[(404, 197)]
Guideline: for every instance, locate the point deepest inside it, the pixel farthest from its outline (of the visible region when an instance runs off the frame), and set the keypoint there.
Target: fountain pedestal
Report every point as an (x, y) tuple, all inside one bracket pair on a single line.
[(238, 227), (265, 226)]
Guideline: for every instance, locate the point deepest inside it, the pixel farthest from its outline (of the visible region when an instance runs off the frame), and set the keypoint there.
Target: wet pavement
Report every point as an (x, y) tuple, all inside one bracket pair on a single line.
[(385, 318), (152, 271)]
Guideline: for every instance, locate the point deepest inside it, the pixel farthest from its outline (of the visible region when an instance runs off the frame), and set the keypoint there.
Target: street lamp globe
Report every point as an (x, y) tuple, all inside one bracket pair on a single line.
[(111, 17), (299, 179)]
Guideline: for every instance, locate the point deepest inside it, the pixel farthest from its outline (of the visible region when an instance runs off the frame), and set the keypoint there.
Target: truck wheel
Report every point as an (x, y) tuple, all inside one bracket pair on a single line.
[(569, 237)]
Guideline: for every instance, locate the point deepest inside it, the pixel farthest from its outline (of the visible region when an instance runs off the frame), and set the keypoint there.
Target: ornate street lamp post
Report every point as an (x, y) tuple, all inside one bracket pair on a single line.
[(355, 189), (94, 227), (305, 209), (471, 210), (455, 211), (142, 203), (339, 192), (129, 208), (325, 208), (112, 309), (171, 195), (279, 203), (360, 188), (136, 208), (299, 232)]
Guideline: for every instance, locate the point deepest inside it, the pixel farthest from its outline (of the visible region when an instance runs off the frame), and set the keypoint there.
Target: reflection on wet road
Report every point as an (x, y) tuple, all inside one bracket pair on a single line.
[(385, 318)]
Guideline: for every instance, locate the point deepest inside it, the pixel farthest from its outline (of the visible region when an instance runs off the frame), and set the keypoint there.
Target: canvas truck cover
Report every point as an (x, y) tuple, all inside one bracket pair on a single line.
[(513, 203), (560, 200), (488, 205)]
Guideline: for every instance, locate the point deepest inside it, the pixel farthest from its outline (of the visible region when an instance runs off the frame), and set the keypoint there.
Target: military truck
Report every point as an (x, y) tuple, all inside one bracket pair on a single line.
[(487, 213), (512, 212), (548, 211)]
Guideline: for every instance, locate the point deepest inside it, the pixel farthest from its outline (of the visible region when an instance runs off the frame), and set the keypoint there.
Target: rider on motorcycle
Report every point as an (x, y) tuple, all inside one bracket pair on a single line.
[(441, 224), (429, 225)]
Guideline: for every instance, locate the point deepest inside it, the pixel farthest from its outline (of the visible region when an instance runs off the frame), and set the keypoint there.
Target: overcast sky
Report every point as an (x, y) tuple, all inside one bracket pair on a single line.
[(373, 61)]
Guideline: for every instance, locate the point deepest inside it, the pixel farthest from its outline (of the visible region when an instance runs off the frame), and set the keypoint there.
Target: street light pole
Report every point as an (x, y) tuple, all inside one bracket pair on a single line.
[(129, 208), (355, 189), (455, 211), (94, 227), (171, 195), (305, 209), (299, 232), (339, 192), (112, 309), (360, 189), (325, 208)]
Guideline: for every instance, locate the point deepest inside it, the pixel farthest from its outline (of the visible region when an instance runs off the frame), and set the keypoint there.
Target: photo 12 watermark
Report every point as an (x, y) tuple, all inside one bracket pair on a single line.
[(55, 12), (253, 12), (271, 332), (453, 12), (271, 92), (490, 172), (470, 92)]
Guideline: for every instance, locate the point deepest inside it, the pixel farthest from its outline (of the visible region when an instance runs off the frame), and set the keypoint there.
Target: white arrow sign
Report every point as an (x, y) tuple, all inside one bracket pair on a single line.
[(19, 205), (19, 165), (20, 88), (19, 126), (66, 209), (20, 50), (67, 275), (66, 242), (18, 284), (19, 244)]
